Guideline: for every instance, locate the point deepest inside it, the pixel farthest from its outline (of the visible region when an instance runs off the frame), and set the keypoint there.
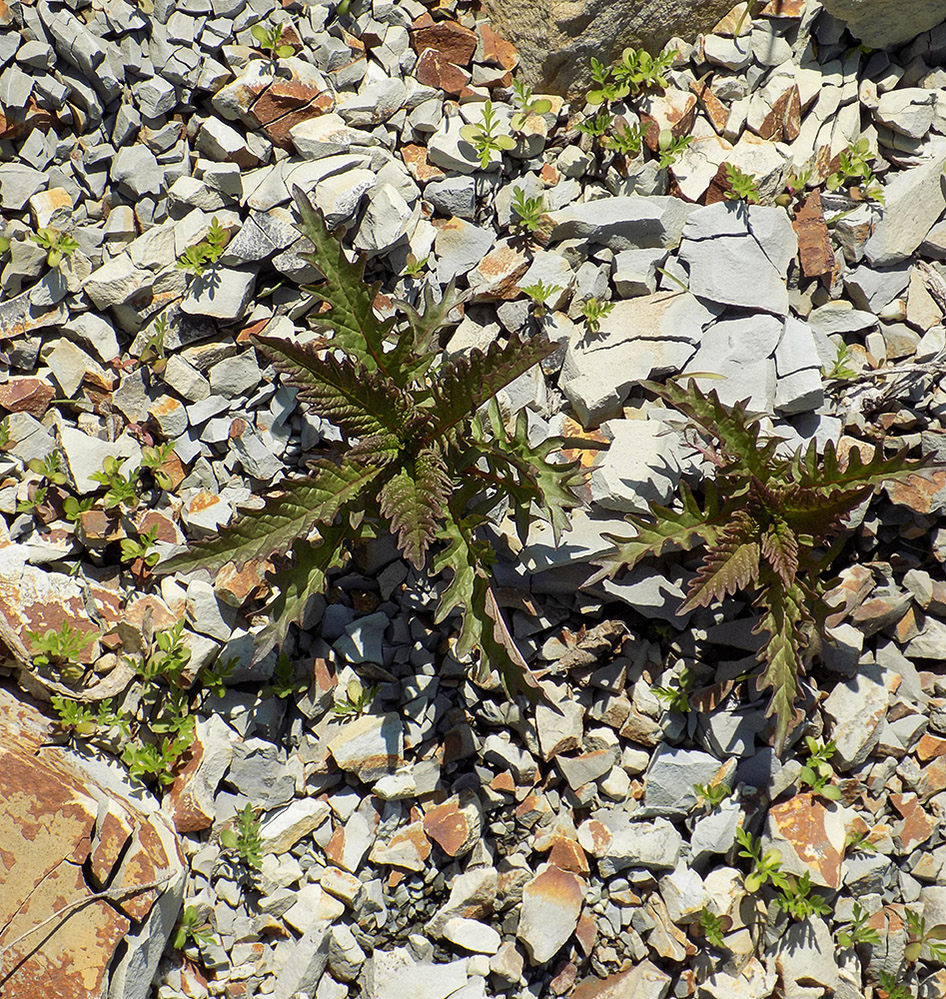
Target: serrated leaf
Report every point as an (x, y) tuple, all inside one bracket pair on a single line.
[(780, 548), (424, 323), (356, 328), (291, 512), (359, 402), (461, 556), (731, 565), (303, 580), (412, 500), (462, 386)]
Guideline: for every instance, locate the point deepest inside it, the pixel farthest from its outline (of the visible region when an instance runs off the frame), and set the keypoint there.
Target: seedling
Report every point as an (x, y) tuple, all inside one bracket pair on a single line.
[(893, 988), (795, 898), (594, 311), (607, 88), (192, 929), (153, 354), (840, 370), (153, 457), (540, 293), (713, 927), (245, 840), (678, 696), (122, 489), (167, 662), (770, 524), (356, 700), (215, 677), (74, 506), (61, 649), (35, 499), (485, 136), (6, 441), (147, 761), (596, 126), (284, 682), (49, 468), (627, 140), (766, 867), (57, 244), (413, 267), (712, 795), (742, 186), (269, 39), (529, 210), (77, 718), (528, 104), (142, 548), (640, 71), (857, 842), (817, 773), (858, 932), (208, 251), (920, 936), (854, 169), (669, 148)]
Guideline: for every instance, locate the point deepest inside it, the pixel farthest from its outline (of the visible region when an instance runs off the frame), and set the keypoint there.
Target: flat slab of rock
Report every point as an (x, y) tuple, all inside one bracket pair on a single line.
[(370, 746), (624, 223), (551, 905)]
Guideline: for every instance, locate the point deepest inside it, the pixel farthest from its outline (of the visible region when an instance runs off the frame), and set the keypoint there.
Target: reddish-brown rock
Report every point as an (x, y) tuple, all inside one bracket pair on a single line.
[(814, 243), (810, 836), (434, 69), (286, 103), (493, 49), (783, 122), (455, 825), (454, 42), (26, 394), (551, 905)]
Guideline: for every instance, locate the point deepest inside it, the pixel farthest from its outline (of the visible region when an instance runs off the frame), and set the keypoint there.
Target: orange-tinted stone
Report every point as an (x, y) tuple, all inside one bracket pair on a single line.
[(814, 243), (452, 40), (26, 394), (433, 69), (495, 49)]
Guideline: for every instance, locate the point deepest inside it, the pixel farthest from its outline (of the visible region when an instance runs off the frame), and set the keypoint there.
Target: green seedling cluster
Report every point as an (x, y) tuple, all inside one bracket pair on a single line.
[(269, 41), (840, 369), (677, 697), (528, 210), (713, 927), (486, 136), (594, 311), (627, 139), (245, 840), (527, 104), (855, 171), (796, 899), (742, 186), (818, 772), (711, 796), (60, 650), (356, 700), (858, 932), (540, 293), (191, 929), (58, 245), (766, 868), (195, 259)]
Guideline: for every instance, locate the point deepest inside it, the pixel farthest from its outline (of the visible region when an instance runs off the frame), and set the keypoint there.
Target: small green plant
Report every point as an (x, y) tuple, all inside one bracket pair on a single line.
[(6, 441), (596, 126), (858, 932), (215, 677), (245, 840), (154, 354), (74, 506), (714, 927), (356, 700), (414, 267), (284, 682), (678, 696), (797, 901), (529, 210), (639, 70), (122, 489), (769, 524), (854, 169), (607, 88), (148, 761), (269, 39), (594, 311), (153, 457), (142, 549), (712, 795), (61, 650), (627, 139), (922, 936), (840, 369), (892, 987), (418, 458), (857, 842), (56, 244), (766, 867), (742, 186), (78, 718), (485, 135), (540, 293), (528, 105), (49, 468), (191, 929), (818, 772), (168, 660), (208, 251), (669, 148)]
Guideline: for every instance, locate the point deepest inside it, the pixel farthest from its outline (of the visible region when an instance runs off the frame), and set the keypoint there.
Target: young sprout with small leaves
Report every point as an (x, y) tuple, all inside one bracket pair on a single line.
[(594, 311), (6, 441), (269, 41), (245, 839), (677, 697), (78, 718), (208, 251), (528, 105), (284, 682), (713, 927), (153, 354), (766, 867), (607, 88), (858, 932), (669, 148), (356, 700), (596, 126), (840, 369), (711, 795), (61, 650), (639, 70), (50, 468), (540, 293), (142, 549), (414, 267), (485, 135), (892, 987), (56, 244), (854, 170), (796, 900), (857, 842), (153, 457), (529, 210), (818, 772), (742, 186), (931, 938), (75, 506), (122, 489), (627, 139), (192, 929)]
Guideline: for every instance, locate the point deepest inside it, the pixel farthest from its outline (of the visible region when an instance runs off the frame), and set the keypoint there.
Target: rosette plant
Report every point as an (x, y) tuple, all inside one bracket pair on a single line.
[(425, 455)]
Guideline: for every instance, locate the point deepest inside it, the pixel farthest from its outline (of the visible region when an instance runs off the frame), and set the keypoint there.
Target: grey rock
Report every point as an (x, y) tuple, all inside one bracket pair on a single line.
[(97, 332), (18, 183), (649, 593), (155, 97), (235, 376), (840, 317), (668, 784), (453, 196), (805, 957), (886, 22), (370, 746), (362, 640), (718, 270), (386, 220), (395, 974), (619, 842), (308, 961), (634, 272), (640, 466), (115, 282), (855, 710), (471, 935), (137, 169), (913, 201), (327, 135), (374, 103), (867, 873), (715, 833), (220, 292), (85, 454), (624, 223), (873, 288), (459, 247)]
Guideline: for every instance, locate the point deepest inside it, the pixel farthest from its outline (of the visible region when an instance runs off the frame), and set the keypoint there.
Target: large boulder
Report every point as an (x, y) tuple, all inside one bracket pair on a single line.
[(557, 38), (69, 827), (887, 22)]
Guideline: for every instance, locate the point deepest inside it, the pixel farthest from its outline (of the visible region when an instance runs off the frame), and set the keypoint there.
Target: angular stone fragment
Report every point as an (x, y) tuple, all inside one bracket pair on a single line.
[(810, 836), (814, 243), (370, 746), (854, 710), (551, 905)]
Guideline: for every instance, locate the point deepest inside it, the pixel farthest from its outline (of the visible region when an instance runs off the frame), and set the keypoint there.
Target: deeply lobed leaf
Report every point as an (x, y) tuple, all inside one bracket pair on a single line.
[(731, 564), (412, 500)]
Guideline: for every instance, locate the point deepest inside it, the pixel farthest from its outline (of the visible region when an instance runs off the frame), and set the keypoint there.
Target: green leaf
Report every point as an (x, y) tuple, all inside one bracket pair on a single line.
[(423, 324), (463, 385), (466, 558), (260, 34), (729, 566), (360, 403), (356, 328), (291, 512), (413, 500), (780, 548)]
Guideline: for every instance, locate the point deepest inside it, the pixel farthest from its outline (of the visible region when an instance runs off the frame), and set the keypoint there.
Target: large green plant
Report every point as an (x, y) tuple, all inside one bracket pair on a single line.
[(768, 523), (419, 457)]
